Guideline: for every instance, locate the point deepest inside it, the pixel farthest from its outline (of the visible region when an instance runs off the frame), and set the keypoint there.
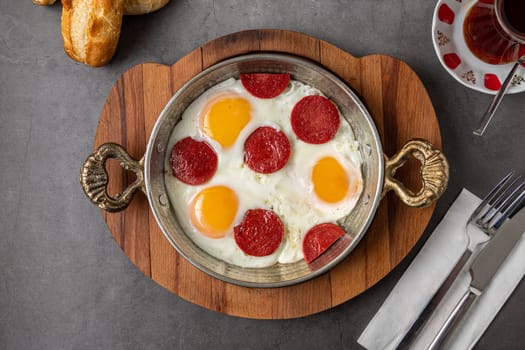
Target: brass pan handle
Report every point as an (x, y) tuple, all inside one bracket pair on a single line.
[(434, 173), (94, 177)]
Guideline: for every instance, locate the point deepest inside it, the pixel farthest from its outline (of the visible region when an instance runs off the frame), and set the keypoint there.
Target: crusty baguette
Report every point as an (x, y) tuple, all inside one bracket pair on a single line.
[(131, 7), (44, 2), (140, 7), (91, 29)]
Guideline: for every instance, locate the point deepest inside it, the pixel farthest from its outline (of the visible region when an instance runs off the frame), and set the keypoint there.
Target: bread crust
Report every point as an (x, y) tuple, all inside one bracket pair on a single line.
[(44, 2), (140, 7), (91, 33)]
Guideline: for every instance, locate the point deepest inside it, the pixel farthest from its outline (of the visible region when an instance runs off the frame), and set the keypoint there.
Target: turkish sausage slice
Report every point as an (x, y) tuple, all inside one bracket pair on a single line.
[(193, 162), (265, 85), (319, 238), (260, 233), (266, 150), (315, 119)]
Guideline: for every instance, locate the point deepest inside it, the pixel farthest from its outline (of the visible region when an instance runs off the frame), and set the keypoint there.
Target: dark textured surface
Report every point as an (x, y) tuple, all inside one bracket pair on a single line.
[(66, 285)]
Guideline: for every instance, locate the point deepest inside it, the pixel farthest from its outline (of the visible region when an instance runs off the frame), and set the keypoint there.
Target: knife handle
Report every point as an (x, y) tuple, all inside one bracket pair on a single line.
[(432, 305), (455, 316)]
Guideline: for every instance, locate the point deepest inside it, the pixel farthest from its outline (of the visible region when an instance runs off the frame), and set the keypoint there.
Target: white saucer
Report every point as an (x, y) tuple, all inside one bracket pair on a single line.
[(456, 58)]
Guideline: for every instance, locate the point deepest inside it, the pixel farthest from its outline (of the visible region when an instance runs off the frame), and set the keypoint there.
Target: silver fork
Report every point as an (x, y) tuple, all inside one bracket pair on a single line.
[(490, 214)]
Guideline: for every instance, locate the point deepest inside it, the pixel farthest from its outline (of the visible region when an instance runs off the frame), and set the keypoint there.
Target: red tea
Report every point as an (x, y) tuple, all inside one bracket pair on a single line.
[(486, 38)]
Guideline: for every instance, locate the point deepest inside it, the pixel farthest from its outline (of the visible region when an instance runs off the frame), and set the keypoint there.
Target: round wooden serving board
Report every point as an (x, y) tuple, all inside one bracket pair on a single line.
[(401, 109)]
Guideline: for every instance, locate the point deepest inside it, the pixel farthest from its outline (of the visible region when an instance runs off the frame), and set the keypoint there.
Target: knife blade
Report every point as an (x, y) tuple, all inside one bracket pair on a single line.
[(489, 260), (483, 269)]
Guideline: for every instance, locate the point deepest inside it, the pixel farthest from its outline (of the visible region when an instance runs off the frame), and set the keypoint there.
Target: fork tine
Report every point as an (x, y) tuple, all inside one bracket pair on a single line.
[(516, 203), (494, 192), (506, 196)]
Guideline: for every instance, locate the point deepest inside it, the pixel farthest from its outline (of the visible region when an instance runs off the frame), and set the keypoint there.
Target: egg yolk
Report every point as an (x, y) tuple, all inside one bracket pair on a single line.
[(330, 180), (224, 119), (213, 210)]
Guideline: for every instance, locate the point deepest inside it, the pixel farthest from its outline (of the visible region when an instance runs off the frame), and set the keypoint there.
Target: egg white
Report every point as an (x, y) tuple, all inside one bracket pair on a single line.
[(288, 192)]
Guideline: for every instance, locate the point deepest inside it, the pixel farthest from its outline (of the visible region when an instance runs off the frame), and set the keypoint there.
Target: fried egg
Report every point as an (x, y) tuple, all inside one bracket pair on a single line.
[(320, 182)]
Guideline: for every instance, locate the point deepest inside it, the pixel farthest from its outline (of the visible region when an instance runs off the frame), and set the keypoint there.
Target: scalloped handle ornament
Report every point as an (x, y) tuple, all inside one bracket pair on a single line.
[(94, 178), (434, 173)]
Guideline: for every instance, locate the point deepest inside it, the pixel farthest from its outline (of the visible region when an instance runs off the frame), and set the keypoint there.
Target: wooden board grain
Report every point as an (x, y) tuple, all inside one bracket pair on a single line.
[(401, 109)]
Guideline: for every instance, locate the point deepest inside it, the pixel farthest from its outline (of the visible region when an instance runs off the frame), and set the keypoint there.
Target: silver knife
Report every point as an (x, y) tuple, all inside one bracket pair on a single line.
[(482, 270)]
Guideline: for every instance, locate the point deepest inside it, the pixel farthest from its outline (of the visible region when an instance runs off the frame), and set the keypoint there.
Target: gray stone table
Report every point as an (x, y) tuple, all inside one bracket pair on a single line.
[(65, 284)]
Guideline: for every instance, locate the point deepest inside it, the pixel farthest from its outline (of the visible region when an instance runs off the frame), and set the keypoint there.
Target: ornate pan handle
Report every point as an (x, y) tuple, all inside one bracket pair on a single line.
[(94, 177), (434, 173)]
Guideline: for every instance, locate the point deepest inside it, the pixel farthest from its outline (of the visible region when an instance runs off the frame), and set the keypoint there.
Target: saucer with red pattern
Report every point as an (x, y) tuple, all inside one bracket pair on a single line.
[(458, 60)]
